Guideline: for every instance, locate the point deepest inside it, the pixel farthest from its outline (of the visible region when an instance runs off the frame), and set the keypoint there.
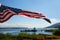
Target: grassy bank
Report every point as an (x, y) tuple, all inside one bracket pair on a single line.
[(25, 36)]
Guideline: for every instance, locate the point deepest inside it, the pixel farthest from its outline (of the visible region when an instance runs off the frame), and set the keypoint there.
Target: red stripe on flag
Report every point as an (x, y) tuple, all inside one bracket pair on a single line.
[(6, 16), (32, 14), (6, 19)]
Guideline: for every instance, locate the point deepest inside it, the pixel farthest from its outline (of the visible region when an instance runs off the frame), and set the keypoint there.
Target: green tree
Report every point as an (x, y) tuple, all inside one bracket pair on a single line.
[(56, 32)]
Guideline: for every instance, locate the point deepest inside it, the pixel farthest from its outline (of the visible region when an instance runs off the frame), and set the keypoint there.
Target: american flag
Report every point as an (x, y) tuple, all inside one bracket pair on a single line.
[(7, 12), (5, 15)]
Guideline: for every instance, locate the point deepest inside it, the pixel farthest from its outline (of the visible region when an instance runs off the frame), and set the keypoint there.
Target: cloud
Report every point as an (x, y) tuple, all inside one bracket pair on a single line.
[(30, 25), (54, 20)]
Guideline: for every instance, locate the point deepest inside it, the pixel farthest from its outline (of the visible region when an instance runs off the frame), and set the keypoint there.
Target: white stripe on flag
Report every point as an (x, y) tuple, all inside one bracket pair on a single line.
[(6, 15), (33, 15)]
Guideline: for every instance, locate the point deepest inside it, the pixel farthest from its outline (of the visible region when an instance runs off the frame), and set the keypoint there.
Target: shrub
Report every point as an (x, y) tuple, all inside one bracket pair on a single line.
[(56, 32)]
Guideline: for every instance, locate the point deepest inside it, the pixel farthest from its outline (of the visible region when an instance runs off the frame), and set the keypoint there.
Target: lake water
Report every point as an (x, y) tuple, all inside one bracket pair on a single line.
[(18, 30)]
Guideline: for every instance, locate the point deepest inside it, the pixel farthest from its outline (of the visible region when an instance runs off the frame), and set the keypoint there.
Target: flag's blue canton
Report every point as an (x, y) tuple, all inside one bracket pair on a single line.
[(12, 9)]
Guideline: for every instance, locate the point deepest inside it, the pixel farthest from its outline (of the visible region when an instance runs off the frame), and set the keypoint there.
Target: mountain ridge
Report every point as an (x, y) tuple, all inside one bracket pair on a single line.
[(57, 25)]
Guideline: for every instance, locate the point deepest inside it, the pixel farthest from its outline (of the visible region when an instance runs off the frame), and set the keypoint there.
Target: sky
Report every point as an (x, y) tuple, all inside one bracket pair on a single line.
[(50, 8)]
